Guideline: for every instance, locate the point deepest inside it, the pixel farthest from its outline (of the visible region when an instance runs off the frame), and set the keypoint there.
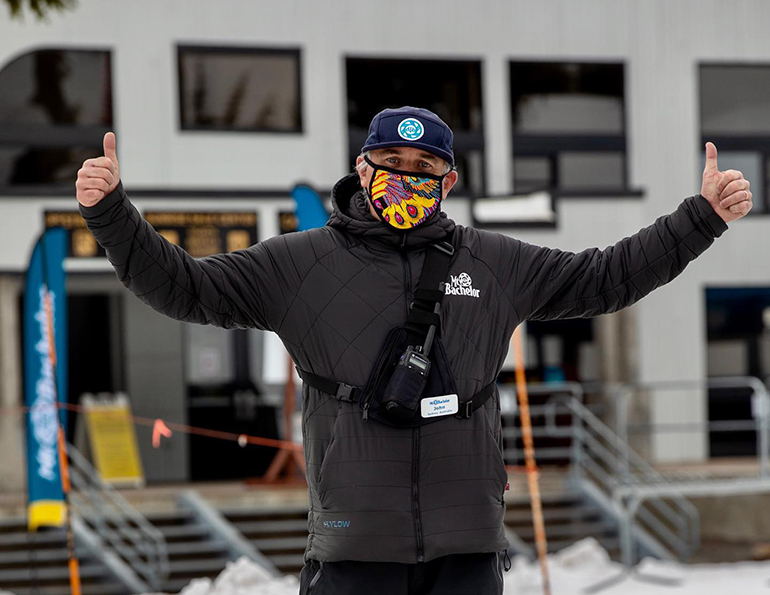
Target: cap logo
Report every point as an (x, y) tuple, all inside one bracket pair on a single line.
[(411, 129)]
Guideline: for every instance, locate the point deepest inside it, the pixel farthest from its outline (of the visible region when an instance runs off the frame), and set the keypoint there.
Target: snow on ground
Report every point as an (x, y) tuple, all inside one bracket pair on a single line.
[(578, 568), (573, 571)]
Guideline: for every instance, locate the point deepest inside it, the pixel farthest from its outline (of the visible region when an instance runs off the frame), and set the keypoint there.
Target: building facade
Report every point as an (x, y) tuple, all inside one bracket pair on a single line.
[(603, 105)]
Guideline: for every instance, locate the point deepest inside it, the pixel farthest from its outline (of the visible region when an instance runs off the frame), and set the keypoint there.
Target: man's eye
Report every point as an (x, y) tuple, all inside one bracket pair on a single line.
[(392, 160), (426, 165)]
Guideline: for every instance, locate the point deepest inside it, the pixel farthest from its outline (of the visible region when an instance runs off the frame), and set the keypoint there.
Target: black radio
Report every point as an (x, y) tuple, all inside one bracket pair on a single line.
[(404, 390)]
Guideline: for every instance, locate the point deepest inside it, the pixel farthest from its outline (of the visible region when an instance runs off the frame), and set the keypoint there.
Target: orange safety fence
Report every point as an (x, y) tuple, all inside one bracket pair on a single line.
[(241, 439)]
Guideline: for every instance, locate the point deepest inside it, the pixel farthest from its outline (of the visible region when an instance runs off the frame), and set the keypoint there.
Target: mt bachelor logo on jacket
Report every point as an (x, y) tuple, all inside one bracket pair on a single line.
[(462, 284)]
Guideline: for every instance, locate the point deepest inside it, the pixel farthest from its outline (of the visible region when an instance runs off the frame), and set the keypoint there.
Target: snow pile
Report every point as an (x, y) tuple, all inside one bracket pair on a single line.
[(243, 577), (578, 566), (585, 566)]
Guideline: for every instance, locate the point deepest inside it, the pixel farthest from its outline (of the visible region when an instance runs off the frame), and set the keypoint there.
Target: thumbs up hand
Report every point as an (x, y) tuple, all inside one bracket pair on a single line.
[(728, 192), (98, 177)]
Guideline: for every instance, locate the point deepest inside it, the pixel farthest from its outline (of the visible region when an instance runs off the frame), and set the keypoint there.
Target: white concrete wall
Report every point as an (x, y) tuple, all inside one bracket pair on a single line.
[(660, 41)]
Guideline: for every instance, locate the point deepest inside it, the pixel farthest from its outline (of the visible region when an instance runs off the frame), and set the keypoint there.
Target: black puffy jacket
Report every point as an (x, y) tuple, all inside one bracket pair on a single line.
[(379, 493)]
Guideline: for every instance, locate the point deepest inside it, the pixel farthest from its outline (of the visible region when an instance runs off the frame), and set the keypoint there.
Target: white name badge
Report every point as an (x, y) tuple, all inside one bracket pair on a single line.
[(436, 406)]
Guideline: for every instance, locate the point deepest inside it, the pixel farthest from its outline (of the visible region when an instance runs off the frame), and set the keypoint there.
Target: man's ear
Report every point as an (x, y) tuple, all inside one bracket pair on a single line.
[(361, 171), (449, 181)]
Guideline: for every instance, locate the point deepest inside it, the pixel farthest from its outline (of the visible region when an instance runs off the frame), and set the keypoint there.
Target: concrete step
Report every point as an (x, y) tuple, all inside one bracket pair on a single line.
[(251, 528), (195, 548), (183, 532), (548, 500), (13, 524), (288, 563), (43, 557), (175, 517), (276, 544), (553, 515), (87, 589), (26, 575), (175, 585), (25, 539), (279, 533), (576, 530), (244, 514), (196, 568), (611, 544)]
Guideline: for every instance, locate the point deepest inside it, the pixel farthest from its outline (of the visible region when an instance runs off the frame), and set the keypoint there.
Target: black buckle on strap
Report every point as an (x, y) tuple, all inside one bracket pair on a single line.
[(345, 392), (466, 410)]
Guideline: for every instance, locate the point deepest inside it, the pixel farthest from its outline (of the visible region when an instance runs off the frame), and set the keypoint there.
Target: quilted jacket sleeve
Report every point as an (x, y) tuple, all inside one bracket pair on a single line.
[(549, 284), (236, 290)]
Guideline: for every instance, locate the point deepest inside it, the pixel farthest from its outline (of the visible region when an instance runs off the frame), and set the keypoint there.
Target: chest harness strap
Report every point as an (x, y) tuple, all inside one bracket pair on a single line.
[(350, 394)]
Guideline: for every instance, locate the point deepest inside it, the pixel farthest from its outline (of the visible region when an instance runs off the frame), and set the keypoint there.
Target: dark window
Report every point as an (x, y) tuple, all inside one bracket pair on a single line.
[(451, 89), (241, 89), (569, 130), (738, 333), (55, 107), (287, 221), (735, 116)]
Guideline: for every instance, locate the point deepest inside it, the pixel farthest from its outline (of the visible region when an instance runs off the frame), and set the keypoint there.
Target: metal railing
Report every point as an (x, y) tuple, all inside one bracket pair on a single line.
[(237, 545), (632, 497), (125, 532), (601, 463), (760, 423)]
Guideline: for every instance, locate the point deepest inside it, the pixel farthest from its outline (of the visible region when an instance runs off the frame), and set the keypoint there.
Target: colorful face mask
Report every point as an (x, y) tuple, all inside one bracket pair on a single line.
[(404, 200)]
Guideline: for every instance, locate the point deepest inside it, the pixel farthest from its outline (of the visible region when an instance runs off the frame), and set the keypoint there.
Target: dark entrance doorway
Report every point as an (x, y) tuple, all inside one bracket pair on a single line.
[(94, 347), (738, 323)]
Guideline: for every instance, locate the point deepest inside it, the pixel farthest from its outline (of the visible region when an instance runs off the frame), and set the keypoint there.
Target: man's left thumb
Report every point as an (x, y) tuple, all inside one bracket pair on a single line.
[(711, 158)]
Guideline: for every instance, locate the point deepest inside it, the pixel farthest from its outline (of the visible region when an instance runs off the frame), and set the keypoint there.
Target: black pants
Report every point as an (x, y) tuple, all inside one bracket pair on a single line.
[(459, 574)]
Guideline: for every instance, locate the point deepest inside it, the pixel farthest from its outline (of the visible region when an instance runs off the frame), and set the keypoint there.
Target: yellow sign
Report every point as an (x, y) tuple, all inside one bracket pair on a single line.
[(113, 440), (46, 513), (81, 243), (287, 221), (203, 233)]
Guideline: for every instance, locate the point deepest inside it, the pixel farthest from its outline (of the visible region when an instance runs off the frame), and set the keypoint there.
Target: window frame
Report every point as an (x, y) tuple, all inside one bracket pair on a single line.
[(292, 51), (550, 145), (56, 136), (466, 140), (737, 142)]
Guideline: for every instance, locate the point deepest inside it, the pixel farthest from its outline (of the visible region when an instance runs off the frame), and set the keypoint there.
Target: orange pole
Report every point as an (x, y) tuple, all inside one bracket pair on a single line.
[(529, 457), (287, 459), (74, 567), (65, 470), (49, 329), (73, 564), (289, 397)]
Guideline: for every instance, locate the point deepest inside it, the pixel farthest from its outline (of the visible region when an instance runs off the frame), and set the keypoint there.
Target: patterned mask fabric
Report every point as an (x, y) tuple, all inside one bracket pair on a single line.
[(404, 200)]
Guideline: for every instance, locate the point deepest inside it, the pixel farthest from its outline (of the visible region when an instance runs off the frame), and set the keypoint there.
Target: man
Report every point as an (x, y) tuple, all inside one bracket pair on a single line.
[(394, 509)]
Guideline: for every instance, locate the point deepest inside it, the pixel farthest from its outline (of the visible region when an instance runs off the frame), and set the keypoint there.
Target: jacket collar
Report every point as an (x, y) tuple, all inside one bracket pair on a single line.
[(351, 215)]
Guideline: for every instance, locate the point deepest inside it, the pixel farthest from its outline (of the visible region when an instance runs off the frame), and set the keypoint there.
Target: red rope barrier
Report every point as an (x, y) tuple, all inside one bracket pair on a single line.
[(241, 439)]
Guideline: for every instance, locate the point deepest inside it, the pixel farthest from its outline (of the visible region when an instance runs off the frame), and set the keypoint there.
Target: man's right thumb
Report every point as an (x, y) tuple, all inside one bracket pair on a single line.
[(109, 147)]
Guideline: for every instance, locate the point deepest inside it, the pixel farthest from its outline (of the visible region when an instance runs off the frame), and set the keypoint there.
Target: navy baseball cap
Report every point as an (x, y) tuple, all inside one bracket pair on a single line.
[(411, 127)]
